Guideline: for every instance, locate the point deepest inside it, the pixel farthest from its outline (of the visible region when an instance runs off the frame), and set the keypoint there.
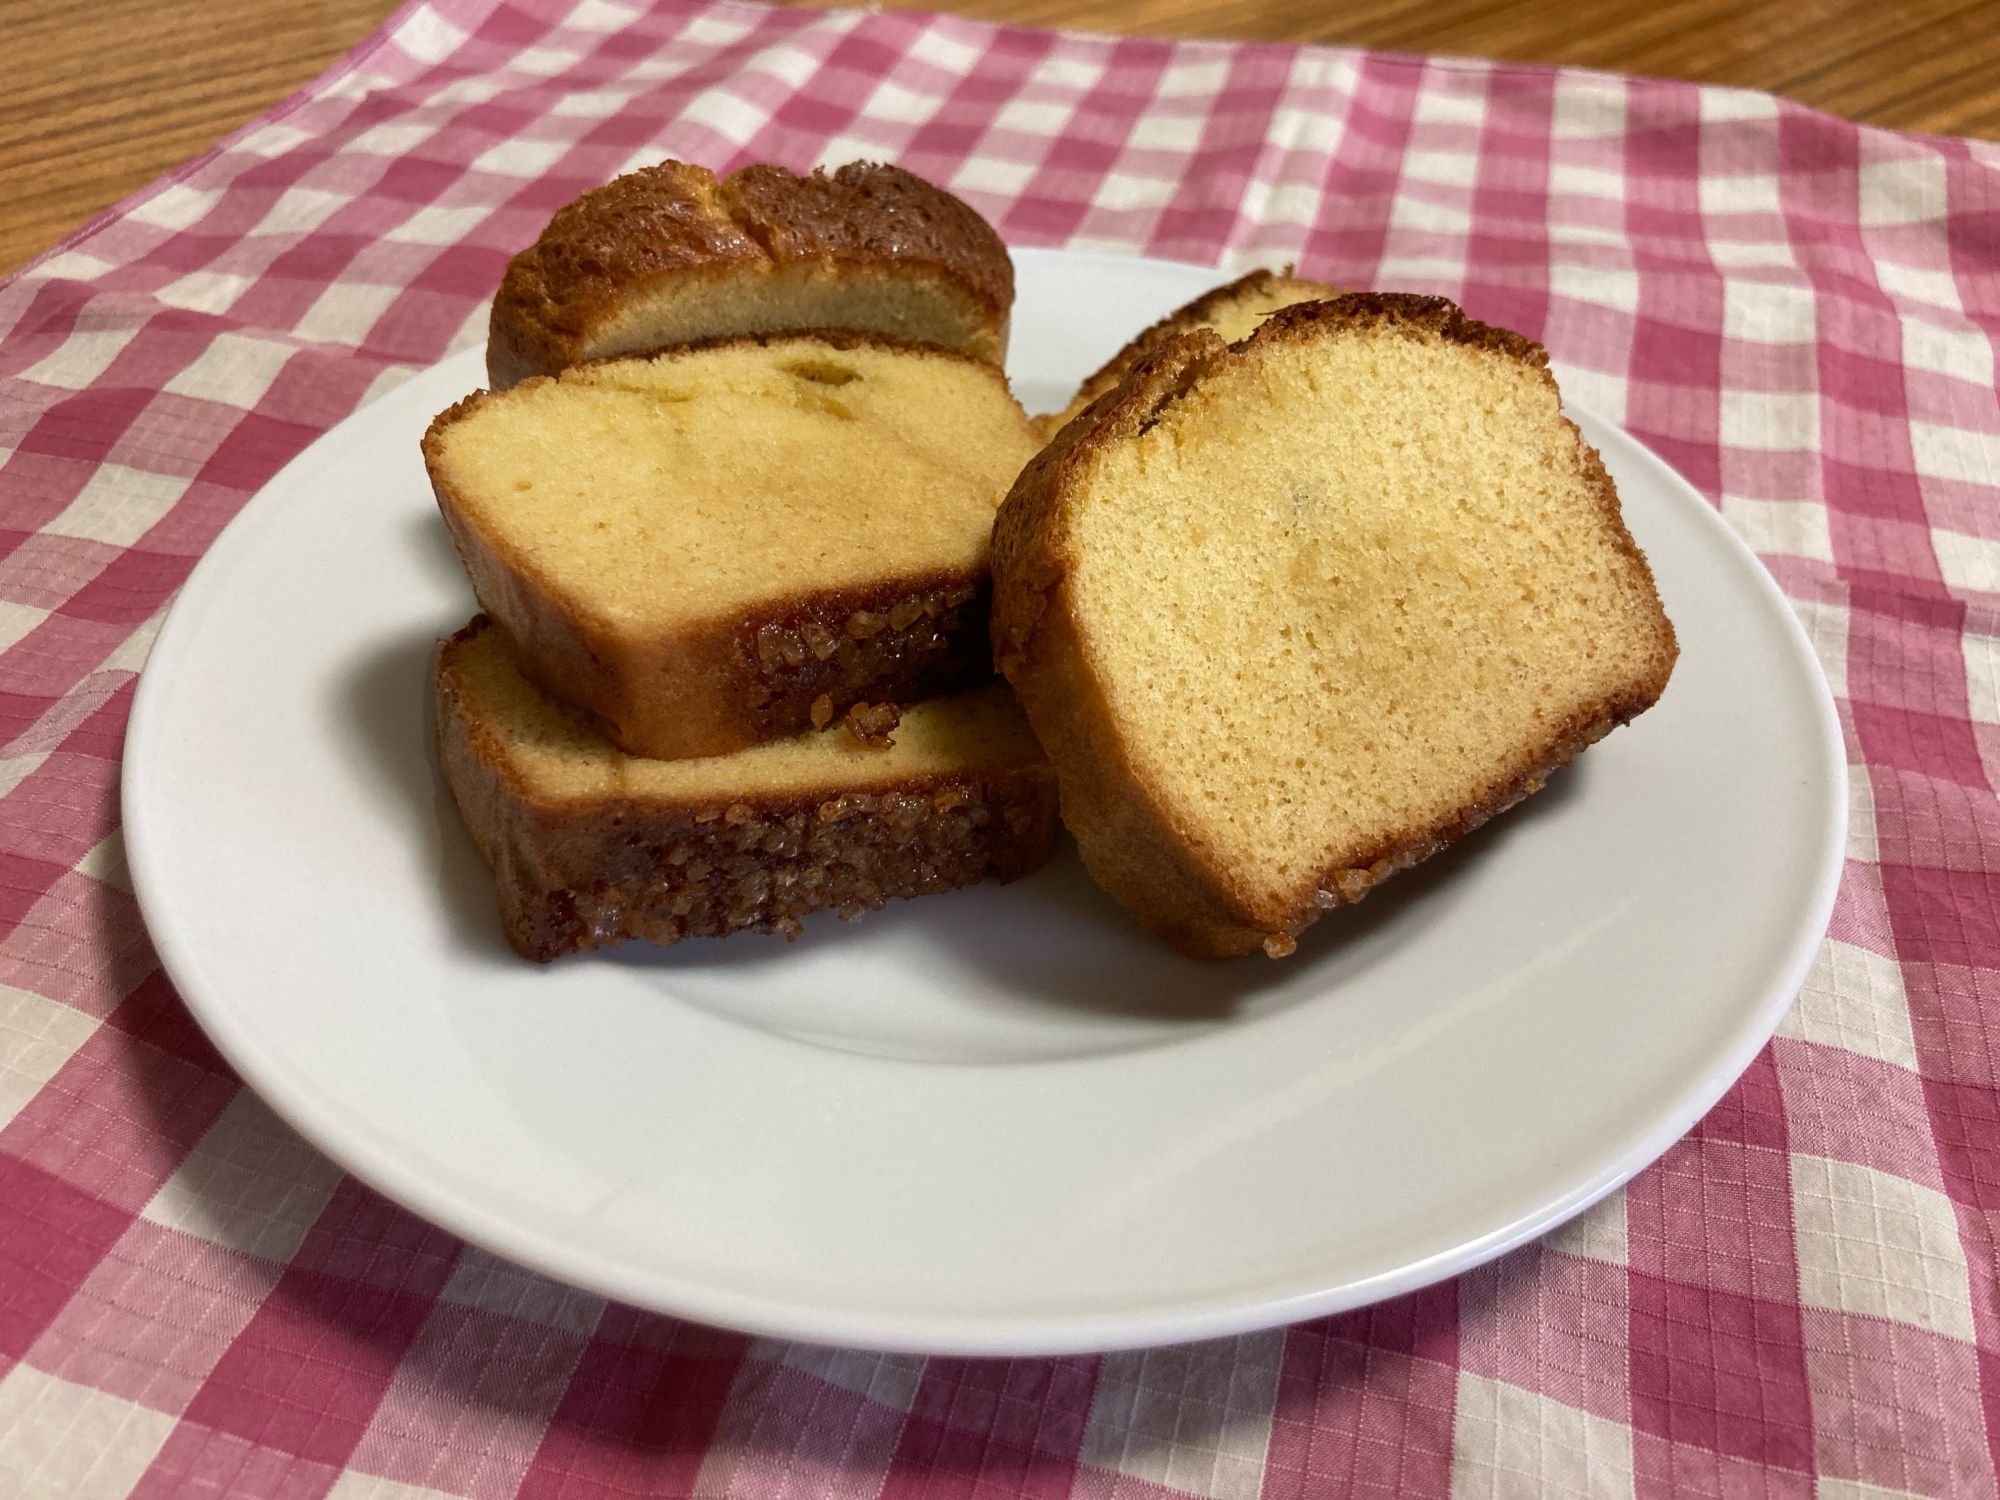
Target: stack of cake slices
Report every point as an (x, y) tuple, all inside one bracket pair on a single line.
[(727, 510), (1303, 586)]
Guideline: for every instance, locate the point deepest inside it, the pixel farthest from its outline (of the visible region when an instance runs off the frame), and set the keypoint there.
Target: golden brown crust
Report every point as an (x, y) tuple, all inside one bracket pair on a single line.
[(1127, 840), (1130, 843), (1435, 317), (1030, 538), (1198, 314), (676, 223), (599, 868)]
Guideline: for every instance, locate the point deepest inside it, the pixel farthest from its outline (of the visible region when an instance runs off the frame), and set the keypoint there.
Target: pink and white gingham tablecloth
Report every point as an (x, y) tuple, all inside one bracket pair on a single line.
[(1798, 313)]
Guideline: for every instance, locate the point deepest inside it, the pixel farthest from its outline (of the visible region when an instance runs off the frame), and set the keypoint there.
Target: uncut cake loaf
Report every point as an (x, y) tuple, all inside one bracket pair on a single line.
[(1232, 311), (728, 544), (1291, 615), (590, 846), (668, 255)]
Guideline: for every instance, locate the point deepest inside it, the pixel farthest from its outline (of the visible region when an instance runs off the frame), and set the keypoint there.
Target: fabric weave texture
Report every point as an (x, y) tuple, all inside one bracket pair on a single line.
[(1799, 314)]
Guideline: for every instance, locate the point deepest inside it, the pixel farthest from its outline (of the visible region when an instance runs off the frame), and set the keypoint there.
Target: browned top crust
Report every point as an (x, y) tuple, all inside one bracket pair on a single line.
[(866, 209), (1198, 313), (677, 218), (1438, 316), (632, 228)]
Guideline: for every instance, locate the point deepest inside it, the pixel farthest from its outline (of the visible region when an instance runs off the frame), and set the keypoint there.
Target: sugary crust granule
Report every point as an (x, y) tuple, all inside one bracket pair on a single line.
[(817, 662), (873, 724)]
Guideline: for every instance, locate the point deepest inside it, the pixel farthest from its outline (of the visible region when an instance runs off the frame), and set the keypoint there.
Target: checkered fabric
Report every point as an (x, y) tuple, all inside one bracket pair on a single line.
[(1800, 314)]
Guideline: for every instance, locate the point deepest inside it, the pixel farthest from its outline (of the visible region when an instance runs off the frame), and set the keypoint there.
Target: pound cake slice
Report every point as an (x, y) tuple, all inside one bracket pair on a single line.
[(1293, 614), (1232, 311), (723, 545), (668, 255), (590, 846)]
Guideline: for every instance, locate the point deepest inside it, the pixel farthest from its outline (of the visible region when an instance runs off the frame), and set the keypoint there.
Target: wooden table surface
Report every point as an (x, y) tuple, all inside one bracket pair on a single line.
[(106, 95)]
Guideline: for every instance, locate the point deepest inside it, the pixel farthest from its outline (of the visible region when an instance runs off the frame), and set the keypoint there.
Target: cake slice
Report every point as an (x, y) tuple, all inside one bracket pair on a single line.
[(590, 846), (668, 255), (1293, 614), (729, 544), (1232, 311)]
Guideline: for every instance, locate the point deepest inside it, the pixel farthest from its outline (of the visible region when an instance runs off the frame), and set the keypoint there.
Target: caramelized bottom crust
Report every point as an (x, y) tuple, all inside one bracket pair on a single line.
[(591, 847), (762, 868), (810, 666)]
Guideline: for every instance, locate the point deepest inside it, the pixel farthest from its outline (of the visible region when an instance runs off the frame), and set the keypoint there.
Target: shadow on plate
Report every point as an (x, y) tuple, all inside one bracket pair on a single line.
[(432, 546), (1053, 940), (1058, 938), (389, 724)]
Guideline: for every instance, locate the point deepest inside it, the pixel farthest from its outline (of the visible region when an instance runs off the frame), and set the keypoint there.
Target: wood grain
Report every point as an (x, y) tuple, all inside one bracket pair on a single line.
[(1926, 65), (105, 96)]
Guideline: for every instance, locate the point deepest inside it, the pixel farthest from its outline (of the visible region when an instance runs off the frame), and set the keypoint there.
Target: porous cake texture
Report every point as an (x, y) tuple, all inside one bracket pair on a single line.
[(1232, 311), (590, 846), (728, 544), (668, 255), (1291, 615)]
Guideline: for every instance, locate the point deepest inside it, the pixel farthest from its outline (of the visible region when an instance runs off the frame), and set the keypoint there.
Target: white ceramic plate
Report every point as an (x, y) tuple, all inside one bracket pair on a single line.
[(1002, 1120)]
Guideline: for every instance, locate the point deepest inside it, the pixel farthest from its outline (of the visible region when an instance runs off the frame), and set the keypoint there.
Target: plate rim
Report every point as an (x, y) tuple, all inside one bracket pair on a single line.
[(924, 1332)]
